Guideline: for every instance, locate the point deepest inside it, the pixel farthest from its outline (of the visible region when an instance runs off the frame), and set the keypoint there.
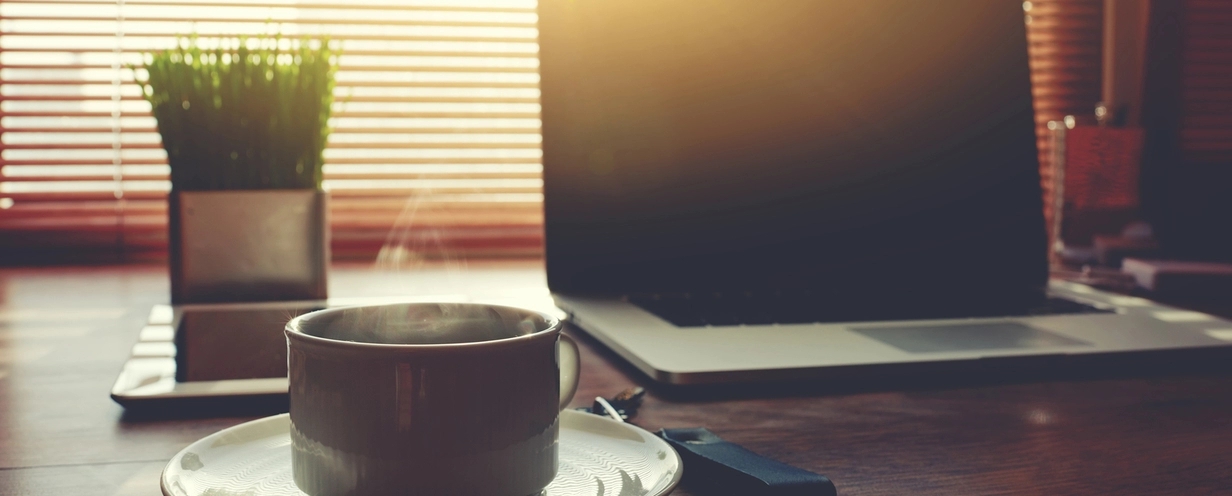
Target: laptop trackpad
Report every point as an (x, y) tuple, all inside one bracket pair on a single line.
[(967, 337)]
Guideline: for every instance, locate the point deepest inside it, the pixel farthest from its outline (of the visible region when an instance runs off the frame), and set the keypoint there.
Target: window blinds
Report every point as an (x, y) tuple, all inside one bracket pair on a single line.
[(1205, 135), (435, 147), (436, 140)]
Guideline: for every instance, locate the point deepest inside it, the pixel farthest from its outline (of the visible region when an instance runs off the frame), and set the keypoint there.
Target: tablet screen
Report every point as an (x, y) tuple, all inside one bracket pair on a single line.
[(214, 345)]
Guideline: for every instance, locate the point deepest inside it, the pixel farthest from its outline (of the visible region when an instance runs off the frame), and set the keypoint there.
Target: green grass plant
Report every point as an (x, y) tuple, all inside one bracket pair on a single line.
[(244, 113)]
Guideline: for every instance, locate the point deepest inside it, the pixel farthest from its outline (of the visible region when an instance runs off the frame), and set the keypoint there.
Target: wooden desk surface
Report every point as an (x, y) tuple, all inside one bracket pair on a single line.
[(64, 334)]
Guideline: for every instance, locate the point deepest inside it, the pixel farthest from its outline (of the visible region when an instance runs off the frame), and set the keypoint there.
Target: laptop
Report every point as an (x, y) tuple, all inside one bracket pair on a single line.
[(740, 191)]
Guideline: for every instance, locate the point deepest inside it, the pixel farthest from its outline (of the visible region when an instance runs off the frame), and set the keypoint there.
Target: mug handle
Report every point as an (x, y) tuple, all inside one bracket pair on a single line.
[(567, 358)]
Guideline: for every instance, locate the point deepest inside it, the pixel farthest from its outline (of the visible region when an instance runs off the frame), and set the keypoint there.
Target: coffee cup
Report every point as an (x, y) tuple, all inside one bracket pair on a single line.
[(427, 399)]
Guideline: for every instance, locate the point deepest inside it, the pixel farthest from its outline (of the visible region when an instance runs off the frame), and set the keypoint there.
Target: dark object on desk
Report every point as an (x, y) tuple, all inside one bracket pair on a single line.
[(1112, 250), (1098, 277), (1136, 240), (715, 466), (210, 354), (1180, 277), (623, 406)]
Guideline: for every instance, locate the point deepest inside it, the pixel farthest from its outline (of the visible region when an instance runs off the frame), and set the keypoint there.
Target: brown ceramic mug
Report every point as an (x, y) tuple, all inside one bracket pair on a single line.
[(427, 399)]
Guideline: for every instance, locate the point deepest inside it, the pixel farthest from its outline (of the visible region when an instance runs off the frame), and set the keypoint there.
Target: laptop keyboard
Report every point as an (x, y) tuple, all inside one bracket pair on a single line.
[(693, 310)]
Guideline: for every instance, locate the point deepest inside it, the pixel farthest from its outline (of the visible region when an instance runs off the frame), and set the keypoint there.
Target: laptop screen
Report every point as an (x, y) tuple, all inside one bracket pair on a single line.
[(863, 147)]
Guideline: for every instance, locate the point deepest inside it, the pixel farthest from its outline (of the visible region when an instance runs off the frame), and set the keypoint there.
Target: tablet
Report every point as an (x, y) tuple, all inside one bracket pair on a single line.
[(210, 351), (221, 351)]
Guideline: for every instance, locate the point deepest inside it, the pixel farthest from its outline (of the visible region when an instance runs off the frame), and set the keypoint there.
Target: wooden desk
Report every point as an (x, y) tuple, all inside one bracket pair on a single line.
[(65, 332)]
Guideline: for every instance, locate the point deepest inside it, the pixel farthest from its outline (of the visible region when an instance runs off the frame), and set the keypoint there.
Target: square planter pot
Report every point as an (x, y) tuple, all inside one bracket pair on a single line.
[(251, 245)]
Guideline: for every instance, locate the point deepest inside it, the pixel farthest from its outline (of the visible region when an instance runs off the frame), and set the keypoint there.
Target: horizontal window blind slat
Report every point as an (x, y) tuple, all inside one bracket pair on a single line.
[(369, 205), (439, 6), (436, 130), (55, 162), (456, 177), (100, 179), (386, 182), (347, 130), (349, 68), (355, 84), (360, 161), (65, 213), (344, 52), (80, 146), (128, 19), (81, 195), (344, 114), (394, 146), (335, 146), (405, 193), (334, 36), (84, 177), (343, 99)]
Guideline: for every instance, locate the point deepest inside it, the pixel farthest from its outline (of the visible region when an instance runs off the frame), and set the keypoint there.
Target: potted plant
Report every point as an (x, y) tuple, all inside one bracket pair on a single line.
[(244, 124)]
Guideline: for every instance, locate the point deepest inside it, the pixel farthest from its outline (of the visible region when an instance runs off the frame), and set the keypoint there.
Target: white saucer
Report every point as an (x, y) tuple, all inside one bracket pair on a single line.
[(598, 457)]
